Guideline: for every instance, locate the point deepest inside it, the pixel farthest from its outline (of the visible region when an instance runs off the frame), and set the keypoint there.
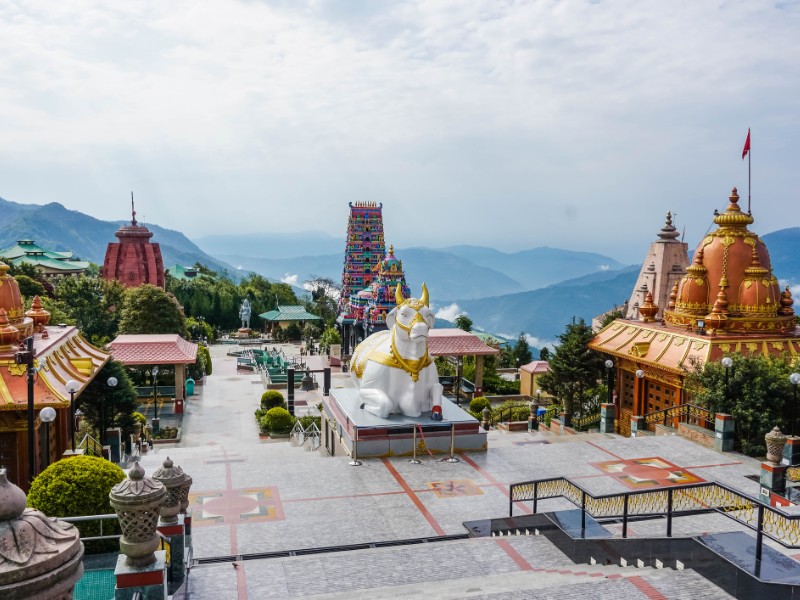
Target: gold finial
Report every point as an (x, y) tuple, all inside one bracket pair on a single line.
[(733, 215)]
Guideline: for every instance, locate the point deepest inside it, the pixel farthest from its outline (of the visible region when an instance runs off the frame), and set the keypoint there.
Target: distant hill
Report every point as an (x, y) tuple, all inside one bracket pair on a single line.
[(273, 245), (784, 246), (537, 267), (57, 228), (544, 313), (444, 272)]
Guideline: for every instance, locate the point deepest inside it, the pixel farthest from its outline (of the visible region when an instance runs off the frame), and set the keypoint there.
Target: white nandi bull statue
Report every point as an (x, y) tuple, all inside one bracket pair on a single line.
[(392, 369)]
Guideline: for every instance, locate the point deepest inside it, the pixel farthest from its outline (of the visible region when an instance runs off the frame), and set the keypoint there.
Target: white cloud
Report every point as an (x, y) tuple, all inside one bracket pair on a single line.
[(290, 279), (449, 313), (573, 111), (604, 267), (533, 341)]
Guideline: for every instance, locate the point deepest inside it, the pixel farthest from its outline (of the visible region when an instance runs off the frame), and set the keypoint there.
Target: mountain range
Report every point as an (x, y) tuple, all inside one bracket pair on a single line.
[(536, 291)]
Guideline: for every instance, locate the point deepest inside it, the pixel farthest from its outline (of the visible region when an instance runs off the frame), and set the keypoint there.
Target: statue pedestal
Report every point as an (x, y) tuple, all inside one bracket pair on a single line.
[(150, 581), (373, 437), (243, 333)]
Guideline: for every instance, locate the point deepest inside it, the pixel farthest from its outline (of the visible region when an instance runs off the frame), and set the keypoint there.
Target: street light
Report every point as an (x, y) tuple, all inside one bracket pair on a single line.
[(72, 387), (112, 383), (154, 372), (610, 368), (794, 379), (47, 415), (25, 357), (727, 362)]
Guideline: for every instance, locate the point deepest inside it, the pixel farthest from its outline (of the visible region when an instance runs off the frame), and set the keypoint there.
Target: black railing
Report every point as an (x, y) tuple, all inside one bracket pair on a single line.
[(765, 520), (683, 412)]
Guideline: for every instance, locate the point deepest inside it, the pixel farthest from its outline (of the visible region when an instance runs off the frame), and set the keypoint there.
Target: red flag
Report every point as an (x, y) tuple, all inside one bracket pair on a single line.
[(746, 145)]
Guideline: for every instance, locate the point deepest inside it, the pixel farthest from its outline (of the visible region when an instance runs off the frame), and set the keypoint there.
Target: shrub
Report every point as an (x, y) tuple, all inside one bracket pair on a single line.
[(167, 433), (277, 420), (512, 410), (79, 486), (307, 420), (272, 399), (207, 356), (478, 404), (140, 418)]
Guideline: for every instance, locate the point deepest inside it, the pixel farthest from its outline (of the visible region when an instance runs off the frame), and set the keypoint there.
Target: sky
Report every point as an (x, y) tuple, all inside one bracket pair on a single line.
[(574, 124)]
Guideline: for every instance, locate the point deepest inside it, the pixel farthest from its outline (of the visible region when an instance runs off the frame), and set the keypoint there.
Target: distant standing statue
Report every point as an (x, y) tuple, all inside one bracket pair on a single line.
[(244, 314)]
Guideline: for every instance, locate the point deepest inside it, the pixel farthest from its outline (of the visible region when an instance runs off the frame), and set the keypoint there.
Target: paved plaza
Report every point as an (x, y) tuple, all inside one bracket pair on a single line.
[(252, 495)]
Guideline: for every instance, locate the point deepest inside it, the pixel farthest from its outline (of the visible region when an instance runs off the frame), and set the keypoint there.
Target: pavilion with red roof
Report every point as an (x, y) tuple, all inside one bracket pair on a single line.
[(157, 349), (460, 343)]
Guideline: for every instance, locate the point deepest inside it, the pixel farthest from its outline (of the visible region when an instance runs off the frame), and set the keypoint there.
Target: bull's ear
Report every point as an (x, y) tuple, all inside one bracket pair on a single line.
[(391, 318)]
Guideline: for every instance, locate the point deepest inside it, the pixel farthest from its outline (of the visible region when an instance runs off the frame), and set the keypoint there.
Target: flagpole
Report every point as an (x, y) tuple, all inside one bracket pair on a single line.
[(749, 157)]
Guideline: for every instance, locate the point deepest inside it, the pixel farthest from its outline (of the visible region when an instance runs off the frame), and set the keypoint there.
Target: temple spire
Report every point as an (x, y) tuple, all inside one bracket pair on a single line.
[(133, 212)]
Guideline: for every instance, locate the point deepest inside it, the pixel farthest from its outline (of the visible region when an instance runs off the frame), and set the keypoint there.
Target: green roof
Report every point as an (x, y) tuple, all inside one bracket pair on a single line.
[(289, 313), (27, 247), (488, 338), (183, 273)]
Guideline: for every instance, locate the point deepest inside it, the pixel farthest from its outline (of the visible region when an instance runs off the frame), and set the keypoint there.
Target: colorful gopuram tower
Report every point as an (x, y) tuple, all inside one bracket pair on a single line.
[(134, 260), (369, 277)]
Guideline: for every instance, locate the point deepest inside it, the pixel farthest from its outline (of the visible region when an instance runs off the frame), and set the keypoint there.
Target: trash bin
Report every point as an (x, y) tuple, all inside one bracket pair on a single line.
[(190, 387)]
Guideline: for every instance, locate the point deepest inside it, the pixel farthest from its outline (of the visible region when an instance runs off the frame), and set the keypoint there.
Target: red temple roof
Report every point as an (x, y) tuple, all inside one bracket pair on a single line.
[(457, 342), (153, 349)]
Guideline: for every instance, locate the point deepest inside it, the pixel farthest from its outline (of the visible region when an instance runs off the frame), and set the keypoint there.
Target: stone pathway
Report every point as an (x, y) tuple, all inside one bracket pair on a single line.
[(253, 495)]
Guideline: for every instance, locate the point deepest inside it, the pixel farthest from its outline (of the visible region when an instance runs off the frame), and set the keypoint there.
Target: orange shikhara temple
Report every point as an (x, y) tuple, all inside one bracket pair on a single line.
[(60, 355), (727, 301), (134, 260)]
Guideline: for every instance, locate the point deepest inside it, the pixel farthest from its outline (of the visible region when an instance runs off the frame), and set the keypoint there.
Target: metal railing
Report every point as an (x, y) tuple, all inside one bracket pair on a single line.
[(585, 421), (91, 446), (765, 520), (514, 411), (311, 434), (101, 518), (686, 412)]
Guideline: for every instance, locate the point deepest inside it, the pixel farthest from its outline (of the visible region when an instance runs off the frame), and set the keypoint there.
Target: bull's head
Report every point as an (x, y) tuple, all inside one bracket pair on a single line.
[(413, 317)]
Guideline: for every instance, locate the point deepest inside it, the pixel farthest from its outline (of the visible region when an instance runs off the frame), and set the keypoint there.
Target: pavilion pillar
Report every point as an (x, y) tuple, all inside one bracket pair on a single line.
[(180, 387), (479, 372)]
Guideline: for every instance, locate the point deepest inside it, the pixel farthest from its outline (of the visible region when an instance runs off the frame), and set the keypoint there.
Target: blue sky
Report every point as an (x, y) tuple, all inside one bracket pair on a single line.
[(573, 124)]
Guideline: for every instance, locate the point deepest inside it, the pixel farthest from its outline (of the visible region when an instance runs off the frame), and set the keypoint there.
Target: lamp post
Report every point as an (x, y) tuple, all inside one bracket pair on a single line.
[(47, 415), (640, 375), (610, 368), (72, 387), (794, 379), (25, 357), (112, 383), (727, 362), (154, 372)]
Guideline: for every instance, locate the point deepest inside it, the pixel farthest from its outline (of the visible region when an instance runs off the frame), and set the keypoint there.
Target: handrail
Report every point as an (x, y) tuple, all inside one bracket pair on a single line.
[(680, 410), (761, 517), (91, 446), (101, 518)]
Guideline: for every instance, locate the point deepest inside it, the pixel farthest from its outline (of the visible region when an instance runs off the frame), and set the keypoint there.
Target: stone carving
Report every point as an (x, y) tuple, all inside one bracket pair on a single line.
[(775, 443), (39, 557), (393, 370), (136, 501), (173, 478), (244, 314)]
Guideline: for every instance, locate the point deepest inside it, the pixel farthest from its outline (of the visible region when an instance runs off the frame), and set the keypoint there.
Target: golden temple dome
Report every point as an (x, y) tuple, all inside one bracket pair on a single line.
[(730, 285)]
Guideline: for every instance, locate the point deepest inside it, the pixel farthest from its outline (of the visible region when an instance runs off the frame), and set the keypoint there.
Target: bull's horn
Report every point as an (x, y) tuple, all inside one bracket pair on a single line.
[(398, 295), (424, 298)]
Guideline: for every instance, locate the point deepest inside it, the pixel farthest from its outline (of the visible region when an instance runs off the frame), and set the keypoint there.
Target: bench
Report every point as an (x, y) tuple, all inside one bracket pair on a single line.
[(162, 391)]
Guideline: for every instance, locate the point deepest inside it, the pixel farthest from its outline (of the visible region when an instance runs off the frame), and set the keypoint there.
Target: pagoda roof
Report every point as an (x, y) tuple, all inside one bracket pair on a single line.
[(675, 350), (63, 356), (47, 262), (536, 367), (23, 247), (488, 338), (457, 342), (289, 313), (182, 273), (153, 349)]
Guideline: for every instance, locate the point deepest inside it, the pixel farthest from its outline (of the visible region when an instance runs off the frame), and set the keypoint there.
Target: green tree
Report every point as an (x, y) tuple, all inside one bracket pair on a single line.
[(575, 370), (119, 401), (93, 304), (29, 287), (758, 395), (463, 322), (522, 351), (329, 337), (544, 353), (150, 309)]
